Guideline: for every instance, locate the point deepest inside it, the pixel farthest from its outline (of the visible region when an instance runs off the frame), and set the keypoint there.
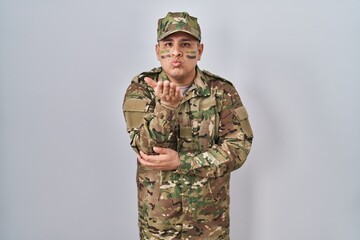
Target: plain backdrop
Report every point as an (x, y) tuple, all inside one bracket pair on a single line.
[(67, 171)]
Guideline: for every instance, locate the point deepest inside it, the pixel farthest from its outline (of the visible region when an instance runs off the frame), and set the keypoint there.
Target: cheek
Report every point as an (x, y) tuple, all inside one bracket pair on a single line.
[(165, 63), (164, 54), (191, 54)]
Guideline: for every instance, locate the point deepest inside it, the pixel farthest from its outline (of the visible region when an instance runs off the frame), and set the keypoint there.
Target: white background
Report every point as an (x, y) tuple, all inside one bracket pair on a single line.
[(67, 171)]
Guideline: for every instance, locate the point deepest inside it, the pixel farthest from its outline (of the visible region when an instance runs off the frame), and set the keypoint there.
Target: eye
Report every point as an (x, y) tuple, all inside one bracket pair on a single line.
[(168, 44), (185, 44)]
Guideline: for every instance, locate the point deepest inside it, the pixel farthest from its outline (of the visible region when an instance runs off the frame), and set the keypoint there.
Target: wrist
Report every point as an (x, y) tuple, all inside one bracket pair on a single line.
[(169, 105)]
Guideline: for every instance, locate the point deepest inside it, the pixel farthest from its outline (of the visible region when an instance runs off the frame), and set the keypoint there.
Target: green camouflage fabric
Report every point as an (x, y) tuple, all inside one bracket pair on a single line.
[(211, 132), (178, 22)]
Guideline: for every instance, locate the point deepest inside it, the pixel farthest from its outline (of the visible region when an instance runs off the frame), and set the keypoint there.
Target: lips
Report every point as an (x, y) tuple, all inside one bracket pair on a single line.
[(175, 63)]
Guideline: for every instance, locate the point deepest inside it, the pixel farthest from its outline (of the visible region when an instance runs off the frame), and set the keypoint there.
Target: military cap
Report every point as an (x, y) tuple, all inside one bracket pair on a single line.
[(178, 22)]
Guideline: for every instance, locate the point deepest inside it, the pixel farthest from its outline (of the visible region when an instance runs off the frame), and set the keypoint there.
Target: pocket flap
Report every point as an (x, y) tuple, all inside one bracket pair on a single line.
[(135, 105), (241, 113)]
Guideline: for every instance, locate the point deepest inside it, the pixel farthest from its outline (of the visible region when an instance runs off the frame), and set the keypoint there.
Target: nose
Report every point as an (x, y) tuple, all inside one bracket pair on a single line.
[(176, 52)]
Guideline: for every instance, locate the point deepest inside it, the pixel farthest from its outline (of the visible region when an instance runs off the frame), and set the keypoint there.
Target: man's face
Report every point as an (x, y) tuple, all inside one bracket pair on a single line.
[(178, 54)]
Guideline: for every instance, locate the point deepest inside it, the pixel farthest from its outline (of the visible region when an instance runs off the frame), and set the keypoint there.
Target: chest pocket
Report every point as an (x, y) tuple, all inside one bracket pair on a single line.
[(200, 132)]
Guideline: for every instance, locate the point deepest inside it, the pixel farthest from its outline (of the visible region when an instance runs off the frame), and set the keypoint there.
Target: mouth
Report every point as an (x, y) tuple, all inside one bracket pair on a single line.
[(176, 63)]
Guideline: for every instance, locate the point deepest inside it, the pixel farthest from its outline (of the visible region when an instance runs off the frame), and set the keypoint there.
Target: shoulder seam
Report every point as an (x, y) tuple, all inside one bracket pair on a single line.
[(216, 77), (140, 77)]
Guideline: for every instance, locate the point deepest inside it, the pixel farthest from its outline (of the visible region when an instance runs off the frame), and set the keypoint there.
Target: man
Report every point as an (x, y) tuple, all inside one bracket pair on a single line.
[(190, 131)]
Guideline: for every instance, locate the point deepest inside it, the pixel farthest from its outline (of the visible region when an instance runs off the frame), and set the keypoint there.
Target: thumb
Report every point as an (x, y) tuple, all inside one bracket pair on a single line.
[(150, 82), (159, 150)]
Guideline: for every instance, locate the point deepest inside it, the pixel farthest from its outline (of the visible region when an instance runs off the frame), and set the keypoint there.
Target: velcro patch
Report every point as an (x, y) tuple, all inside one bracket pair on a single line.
[(135, 105), (241, 113)]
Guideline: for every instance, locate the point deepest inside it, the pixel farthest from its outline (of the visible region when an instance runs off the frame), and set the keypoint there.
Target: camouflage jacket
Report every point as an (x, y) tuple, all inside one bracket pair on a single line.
[(211, 132)]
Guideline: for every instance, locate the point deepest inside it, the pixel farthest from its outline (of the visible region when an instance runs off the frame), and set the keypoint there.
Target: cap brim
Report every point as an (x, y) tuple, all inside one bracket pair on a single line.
[(175, 31)]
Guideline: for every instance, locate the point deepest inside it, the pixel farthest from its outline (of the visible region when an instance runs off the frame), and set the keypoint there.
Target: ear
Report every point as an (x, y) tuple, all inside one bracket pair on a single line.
[(200, 49), (157, 51)]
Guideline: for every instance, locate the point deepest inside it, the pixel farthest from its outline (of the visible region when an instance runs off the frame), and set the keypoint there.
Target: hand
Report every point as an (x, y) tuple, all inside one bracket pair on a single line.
[(167, 159), (168, 93)]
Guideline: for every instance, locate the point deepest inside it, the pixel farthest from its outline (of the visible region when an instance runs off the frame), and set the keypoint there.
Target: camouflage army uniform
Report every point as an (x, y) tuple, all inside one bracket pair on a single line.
[(211, 132)]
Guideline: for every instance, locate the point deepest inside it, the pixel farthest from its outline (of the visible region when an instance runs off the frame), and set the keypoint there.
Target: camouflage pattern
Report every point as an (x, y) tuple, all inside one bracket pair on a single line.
[(211, 132), (178, 22)]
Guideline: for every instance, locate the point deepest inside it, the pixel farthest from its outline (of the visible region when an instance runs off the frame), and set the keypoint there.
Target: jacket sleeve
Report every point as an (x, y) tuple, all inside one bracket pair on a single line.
[(231, 148), (148, 123)]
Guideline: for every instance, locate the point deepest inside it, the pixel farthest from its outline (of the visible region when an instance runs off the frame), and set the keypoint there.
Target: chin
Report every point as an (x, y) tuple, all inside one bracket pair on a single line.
[(175, 72)]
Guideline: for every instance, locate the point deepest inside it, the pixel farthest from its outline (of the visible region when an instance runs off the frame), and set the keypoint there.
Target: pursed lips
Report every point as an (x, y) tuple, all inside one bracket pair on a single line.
[(176, 63)]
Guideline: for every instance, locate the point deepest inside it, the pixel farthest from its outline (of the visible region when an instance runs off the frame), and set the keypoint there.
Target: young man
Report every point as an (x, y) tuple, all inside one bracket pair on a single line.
[(190, 130)]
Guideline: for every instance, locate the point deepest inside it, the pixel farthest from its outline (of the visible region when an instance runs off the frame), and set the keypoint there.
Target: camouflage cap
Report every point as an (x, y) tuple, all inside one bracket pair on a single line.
[(178, 22)]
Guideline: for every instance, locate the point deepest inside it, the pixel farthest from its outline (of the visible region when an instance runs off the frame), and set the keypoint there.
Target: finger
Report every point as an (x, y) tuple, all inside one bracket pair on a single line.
[(166, 87), (172, 90), (141, 160), (144, 156), (146, 163), (150, 82), (160, 87), (150, 158), (157, 159), (178, 94)]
